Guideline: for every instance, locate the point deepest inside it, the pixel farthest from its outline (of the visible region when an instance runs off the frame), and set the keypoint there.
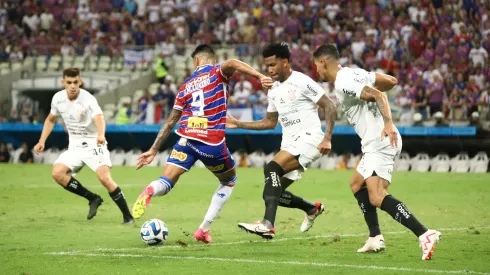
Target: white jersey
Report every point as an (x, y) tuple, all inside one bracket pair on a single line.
[(364, 116), (295, 100), (78, 115)]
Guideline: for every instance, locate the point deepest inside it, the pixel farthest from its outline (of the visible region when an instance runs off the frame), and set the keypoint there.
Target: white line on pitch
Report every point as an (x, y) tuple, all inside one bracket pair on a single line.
[(251, 241), (376, 267)]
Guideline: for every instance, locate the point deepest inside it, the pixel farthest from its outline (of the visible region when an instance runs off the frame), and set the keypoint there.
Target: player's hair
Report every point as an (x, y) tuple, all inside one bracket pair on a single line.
[(204, 49), (328, 50), (71, 72), (280, 50)]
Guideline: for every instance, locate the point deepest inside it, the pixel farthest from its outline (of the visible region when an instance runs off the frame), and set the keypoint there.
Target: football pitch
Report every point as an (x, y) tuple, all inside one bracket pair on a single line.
[(44, 228)]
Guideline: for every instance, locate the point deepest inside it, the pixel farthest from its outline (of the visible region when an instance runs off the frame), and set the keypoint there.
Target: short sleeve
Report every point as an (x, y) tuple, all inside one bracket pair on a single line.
[(179, 101), (94, 107), (313, 90), (54, 108), (271, 108), (222, 76), (351, 83)]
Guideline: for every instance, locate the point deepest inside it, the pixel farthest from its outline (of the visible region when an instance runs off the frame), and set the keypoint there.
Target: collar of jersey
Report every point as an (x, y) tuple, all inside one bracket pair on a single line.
[(202, 67)]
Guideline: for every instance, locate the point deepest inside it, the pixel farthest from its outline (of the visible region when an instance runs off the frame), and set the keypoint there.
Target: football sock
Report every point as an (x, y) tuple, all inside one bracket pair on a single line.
[(400, 213), (161, 186), (76, 187), (369, 212), (290, 200), (272, 190), (219, 200), (118, 197)]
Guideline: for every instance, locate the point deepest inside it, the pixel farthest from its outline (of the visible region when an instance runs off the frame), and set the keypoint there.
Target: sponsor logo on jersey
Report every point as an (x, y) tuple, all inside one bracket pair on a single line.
[(196, 131), (197, 83), (178, 155), (215, 168), (349, 92), (315, 93), (199, 151), (286, 122), (292, 95), (282, 101)]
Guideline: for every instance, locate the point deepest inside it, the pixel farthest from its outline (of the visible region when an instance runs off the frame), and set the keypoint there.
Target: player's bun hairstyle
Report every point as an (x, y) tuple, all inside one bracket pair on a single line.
[(71, 72), (328, 50), (203, 49), (280, 50)]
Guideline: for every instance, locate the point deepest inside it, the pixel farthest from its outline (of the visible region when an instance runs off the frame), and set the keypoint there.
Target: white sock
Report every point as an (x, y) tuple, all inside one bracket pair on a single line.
[(219, 200), (161, 186)]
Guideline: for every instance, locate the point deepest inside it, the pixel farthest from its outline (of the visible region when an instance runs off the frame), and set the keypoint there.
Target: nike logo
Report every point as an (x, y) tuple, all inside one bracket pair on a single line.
[(260, 230)]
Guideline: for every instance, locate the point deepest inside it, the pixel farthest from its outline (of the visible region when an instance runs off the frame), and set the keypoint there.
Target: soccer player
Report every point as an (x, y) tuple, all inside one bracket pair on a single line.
[(85, 123), (293, 101), (201, 108), (367, 109)]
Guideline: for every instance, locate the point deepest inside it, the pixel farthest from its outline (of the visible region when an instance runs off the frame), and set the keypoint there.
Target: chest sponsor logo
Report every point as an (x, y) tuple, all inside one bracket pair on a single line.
[(292, 95), (288, 122), (178, 155), (199, 132)]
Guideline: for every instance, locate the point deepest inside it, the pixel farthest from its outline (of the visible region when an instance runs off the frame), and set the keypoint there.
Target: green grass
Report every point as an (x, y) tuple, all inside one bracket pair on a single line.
[(38, 217)]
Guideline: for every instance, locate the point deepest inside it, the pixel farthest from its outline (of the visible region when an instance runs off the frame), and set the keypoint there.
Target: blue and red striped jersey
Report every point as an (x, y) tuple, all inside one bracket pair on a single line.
[(202, 100)]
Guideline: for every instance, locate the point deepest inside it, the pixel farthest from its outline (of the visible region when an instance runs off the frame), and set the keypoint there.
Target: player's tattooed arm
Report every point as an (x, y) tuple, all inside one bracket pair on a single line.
[(330, 112), (374, 95), (385, 82), (269, 122), (166, 129)]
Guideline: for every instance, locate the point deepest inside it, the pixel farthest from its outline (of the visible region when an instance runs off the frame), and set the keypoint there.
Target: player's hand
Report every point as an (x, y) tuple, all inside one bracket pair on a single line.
[(325, 146), (101, 140), (389, 130), (266, 81), (38, 148), (231, 122), (145, 158)]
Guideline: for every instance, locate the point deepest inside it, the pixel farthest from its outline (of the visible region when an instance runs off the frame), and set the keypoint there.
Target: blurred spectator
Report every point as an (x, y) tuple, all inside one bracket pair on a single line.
[(478, 55), (258, 101), (131, 6), (456, 103), (30, 22), (26, 156), (124, 114), (164, 100), (4, 153), (16, 55), (420, 103), (161, 69), (404, 101), (142, 106), (26, 115), (46, 19), (435, 94)]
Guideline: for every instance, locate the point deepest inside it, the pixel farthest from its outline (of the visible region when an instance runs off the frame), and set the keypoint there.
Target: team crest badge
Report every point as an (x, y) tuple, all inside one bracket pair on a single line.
[(292, 95)]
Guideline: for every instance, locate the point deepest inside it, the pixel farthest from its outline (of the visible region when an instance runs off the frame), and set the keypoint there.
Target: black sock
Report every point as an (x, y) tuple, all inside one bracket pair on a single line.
[(369, 212), (400, 213), (76, 187), (272, 190), (118, 197), (290, 200)]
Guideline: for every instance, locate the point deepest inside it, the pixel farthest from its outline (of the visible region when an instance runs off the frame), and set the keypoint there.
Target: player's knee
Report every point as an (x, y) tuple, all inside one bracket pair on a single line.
[(229, 182), (273, 169), (58, 175), (375, 199)]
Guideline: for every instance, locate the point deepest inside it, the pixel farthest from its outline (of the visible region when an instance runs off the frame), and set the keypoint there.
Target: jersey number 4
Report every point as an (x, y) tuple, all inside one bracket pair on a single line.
[(198, 103)]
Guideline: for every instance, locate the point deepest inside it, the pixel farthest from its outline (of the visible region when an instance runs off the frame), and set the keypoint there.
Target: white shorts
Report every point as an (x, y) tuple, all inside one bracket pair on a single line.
[(93, 156), (381, 161), (305, 148)]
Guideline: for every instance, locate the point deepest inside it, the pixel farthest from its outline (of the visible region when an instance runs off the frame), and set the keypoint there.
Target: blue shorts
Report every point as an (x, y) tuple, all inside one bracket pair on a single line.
[(216, 158)]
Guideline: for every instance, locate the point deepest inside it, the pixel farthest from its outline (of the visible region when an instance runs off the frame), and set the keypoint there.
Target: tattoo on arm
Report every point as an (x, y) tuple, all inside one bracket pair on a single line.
[(373, 95), (166, 129), (330, 114), (269, 122)]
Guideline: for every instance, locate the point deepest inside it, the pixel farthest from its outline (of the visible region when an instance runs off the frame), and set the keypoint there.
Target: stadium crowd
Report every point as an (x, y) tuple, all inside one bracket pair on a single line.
[(438, 49)]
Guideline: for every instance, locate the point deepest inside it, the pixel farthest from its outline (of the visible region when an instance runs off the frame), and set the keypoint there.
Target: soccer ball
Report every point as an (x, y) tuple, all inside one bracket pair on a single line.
[(154, 232)]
